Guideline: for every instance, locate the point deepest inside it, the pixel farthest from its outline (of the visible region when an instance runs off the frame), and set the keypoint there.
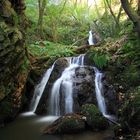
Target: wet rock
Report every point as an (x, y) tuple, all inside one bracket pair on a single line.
[(83, 86), (68, 124), (94, 118)]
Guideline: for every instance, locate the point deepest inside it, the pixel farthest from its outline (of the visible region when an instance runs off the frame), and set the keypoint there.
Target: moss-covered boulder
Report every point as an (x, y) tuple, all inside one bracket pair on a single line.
[(66, 125), (94, 118)]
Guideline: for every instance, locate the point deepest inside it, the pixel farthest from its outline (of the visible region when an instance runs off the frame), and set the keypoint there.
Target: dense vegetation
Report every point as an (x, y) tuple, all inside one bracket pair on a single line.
[(57, 29)]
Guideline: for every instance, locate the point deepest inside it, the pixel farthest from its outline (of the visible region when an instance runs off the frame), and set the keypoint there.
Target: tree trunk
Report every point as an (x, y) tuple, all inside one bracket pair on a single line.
[(41, 6), (112, 13), (132, 15)]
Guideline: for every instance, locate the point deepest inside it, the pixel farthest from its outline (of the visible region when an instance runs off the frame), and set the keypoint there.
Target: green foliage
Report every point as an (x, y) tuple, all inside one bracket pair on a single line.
[(100, 60), (46, 48), (31, 10), (68, 22)]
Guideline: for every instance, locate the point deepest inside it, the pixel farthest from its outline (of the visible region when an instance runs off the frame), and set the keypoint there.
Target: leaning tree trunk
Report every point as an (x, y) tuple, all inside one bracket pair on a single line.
[(132, 15), (13, 63)]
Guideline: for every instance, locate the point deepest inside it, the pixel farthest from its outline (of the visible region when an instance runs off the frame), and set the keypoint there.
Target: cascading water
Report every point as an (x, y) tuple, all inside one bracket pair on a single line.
[(77, 60), (39, 89), (67, 83), (100, 97), (90, 39), (99, 91), (99, 86)]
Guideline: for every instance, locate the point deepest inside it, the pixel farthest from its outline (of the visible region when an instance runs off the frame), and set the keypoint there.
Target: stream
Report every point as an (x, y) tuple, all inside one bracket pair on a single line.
[(28, 126)]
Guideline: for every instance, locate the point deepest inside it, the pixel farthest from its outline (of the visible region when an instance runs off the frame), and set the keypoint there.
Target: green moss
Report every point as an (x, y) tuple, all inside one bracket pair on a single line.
[(69, 123), (94, 118), (66, 124)]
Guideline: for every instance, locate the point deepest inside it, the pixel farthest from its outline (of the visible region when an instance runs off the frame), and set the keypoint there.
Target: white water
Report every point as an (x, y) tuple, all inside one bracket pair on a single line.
[(90, 39), (66, 82), (39, 89), (99, 91), (78, 60), (100, 97)]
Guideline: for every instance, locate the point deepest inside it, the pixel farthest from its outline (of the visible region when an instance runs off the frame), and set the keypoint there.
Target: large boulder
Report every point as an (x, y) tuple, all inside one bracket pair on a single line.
[(94, 118), (66, 125)]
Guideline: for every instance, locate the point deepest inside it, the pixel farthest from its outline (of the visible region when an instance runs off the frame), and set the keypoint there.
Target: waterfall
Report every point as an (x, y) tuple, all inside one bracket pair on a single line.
[(39, 89), (61, 96), (99, 91), (90, 39), (77, 60), (67, 83), (100, 97)]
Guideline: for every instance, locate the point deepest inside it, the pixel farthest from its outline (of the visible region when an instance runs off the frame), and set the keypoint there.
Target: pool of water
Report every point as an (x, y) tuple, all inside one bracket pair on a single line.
[(28, 126)]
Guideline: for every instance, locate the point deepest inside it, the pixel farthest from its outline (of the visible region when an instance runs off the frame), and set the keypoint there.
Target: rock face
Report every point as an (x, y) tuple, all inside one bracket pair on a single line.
[(68, 124), (94, 118), (83, 89), (111, 97), (13, 64)]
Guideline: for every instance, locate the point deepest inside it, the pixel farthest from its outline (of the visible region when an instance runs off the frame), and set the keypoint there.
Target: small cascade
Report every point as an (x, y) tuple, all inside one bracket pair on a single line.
[(90, 39), (100, 97), (78, 60), (39, 89), (99, 91), (66, 82)]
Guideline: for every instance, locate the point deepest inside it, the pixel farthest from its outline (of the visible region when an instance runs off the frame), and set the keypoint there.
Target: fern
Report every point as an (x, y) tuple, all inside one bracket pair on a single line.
[(100, 60)]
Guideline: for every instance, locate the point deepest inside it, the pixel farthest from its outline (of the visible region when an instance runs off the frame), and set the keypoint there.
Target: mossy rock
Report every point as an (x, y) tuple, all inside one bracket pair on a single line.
[(95, 120), (66, 125)]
